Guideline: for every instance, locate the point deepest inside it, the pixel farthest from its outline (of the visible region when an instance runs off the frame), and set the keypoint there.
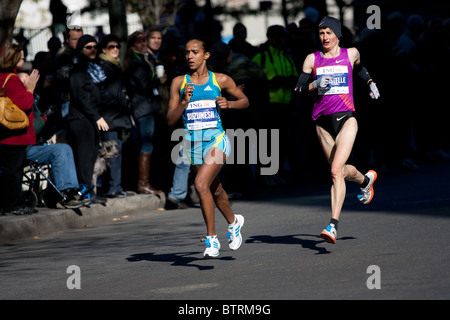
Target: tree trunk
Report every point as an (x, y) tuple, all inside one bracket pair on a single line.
[(8, 13), (118, 22), (118, 18)]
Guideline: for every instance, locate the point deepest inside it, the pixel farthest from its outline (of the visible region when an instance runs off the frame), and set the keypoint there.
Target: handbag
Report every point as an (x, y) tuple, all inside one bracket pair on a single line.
[(11, 116)]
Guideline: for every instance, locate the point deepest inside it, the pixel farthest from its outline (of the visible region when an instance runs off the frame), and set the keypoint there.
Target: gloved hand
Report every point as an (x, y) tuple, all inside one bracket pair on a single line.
[(374, 94), (323, 81)]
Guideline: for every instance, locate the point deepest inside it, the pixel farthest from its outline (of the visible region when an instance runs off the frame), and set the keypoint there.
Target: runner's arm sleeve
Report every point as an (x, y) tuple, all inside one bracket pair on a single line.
[(302, 83), (362, 72)]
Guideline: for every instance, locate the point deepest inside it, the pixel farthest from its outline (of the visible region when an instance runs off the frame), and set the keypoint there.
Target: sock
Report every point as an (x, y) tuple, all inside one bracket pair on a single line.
[(365, 183), (335, 223)]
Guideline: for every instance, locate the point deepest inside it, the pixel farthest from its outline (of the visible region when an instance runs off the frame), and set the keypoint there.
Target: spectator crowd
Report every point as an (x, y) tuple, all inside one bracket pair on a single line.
[(91, 90)]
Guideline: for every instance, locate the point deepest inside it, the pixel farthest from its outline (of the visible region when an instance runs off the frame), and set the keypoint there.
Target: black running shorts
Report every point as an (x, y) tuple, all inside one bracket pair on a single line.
[(333, 123)]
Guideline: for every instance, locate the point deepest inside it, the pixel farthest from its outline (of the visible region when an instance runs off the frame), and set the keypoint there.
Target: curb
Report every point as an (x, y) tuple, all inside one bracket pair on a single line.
[(50, 221)]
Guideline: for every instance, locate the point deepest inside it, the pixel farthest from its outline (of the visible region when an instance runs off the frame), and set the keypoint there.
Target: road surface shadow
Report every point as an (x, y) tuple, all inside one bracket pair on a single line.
[(184, 259), (293, 239)]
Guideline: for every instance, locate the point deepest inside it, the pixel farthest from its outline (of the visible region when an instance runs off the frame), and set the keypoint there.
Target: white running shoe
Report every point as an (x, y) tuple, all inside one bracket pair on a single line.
[(234, 232), (367, 193), (329, 234), (212, 247)]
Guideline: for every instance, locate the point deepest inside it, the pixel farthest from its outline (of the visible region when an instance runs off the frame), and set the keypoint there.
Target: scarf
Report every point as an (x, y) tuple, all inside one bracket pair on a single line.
[(115, 61), (96, 72)]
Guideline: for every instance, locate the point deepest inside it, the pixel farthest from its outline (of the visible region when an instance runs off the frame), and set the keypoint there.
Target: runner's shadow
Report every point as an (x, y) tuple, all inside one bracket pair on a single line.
[(184, 259), (292, 239)]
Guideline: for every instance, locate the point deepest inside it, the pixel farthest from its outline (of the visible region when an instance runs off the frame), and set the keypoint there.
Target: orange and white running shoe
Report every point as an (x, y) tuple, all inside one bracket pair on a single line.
[(367, 193), (329, 234)]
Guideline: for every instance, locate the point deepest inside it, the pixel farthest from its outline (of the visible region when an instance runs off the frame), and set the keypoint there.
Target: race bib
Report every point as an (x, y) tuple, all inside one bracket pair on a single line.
[(339, 84), (201, 114)]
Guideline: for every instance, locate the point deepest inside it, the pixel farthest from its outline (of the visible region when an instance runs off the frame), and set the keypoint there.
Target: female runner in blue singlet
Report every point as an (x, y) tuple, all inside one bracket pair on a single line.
[(196, 98)]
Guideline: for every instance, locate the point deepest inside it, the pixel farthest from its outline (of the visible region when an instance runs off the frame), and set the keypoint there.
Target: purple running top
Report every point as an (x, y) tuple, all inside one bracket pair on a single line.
[(338, 97)]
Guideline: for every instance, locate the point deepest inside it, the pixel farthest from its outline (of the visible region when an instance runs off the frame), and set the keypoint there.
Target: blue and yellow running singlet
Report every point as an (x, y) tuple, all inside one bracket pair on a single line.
[(202, 121)]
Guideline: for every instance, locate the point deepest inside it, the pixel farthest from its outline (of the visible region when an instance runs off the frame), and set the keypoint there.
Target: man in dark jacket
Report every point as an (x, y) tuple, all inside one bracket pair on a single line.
[(64, 63), (83, 120)]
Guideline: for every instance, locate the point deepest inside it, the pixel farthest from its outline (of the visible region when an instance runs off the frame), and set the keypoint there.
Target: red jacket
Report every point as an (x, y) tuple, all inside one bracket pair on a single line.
[(17, 92)]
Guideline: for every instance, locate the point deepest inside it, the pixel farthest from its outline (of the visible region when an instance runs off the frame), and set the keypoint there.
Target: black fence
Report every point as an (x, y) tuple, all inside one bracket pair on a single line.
[(36, 39)]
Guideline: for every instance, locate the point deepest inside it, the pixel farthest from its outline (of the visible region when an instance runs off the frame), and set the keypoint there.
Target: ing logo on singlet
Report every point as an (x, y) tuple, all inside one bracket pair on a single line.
[(201, 115), (339, 84)]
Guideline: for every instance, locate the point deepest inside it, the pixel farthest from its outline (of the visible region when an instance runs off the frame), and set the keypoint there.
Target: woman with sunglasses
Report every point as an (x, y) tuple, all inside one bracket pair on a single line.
[(142, 83), (114, 109), (84, 121)]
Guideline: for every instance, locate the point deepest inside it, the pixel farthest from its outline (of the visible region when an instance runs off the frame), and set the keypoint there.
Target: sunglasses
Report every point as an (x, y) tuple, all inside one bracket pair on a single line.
[(91, 47), (74, 27), (110, 47)]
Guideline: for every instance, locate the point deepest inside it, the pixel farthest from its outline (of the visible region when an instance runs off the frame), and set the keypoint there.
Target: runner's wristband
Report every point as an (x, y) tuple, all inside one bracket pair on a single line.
[(302, 83)]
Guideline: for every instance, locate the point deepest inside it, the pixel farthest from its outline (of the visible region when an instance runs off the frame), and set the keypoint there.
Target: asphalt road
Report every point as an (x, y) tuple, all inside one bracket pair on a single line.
[(395, 248)]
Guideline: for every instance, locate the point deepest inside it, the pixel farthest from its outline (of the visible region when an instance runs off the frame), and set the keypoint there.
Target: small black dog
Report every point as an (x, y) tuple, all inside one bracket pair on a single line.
[(107, 150)]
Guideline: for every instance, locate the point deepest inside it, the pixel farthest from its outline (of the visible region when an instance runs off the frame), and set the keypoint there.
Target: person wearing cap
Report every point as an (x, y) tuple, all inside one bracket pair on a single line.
[(83, 120), (334, 114)]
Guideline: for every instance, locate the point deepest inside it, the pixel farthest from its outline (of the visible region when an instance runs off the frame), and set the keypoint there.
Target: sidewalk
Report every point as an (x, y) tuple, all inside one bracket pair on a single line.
[(50, 221)]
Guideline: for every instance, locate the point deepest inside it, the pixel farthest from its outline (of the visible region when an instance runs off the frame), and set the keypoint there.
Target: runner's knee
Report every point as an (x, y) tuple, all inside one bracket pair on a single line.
[(337, 172), (201, 185)]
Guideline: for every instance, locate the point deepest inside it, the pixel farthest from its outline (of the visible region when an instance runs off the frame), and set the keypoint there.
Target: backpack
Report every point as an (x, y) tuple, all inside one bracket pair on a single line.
[(11, 116)]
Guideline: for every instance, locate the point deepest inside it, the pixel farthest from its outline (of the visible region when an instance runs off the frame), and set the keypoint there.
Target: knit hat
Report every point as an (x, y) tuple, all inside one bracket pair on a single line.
[(84, 39), (333, 24)]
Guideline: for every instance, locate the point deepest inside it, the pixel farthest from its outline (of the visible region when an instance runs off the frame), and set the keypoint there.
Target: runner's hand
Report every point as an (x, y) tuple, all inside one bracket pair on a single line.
[(374, 94), (322, 82), (222, 102), (188, 90)]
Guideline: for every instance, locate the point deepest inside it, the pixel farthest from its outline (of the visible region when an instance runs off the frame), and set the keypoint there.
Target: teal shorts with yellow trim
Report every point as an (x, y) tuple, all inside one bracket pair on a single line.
[(199, 143)]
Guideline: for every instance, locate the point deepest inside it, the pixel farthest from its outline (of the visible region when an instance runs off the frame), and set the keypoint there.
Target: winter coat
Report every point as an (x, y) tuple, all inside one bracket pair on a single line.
[(114, 102), (19, 95), (64, 65), (141, 84), (85, 95)]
